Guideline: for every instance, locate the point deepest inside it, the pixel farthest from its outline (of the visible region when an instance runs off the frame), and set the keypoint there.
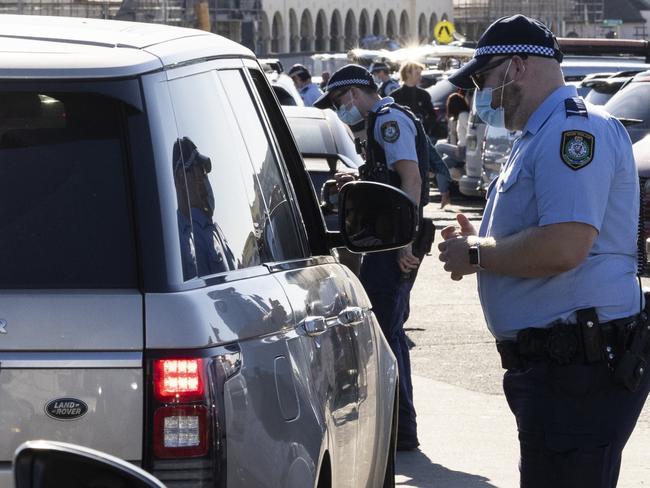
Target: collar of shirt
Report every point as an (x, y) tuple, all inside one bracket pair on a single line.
[(548, 106), (305, 88), (381, 103)]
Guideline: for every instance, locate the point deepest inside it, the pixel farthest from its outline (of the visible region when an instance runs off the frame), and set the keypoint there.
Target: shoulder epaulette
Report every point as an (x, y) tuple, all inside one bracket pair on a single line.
[(575, 106)]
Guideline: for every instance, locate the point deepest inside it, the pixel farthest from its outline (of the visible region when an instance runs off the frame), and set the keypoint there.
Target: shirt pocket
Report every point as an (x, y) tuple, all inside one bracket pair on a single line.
[(508, 178), (508, 215)]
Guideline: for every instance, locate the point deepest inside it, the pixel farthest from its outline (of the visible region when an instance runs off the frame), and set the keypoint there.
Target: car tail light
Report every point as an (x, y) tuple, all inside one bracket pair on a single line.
[(179, 380), (186, 418), (180, 432)]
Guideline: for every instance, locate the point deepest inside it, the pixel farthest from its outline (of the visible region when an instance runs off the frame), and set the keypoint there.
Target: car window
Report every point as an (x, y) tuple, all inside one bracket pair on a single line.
[(632, 102), (312, 135), (279, 231), (65, 216), (597, 97), (222, 210)]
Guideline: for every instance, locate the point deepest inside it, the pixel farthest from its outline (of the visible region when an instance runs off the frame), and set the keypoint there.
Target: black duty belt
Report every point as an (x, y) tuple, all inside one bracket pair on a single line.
[(584, 342)]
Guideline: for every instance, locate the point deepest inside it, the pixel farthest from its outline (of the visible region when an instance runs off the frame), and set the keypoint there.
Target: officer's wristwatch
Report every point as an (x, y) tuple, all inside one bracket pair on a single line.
[(474, 251)]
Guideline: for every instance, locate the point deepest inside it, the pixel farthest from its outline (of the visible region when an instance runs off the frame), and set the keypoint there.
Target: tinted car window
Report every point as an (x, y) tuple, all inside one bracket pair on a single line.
[(278, 229), (64, 207), (221, 209), (312, 136), (632, 102)]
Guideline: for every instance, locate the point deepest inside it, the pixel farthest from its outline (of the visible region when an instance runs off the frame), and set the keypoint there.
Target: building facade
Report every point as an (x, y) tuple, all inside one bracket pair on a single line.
[(292, 26)]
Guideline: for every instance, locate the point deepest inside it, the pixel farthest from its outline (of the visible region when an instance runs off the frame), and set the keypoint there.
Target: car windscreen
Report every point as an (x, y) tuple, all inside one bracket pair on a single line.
[(65, 216), (312, 135), (632, 102)]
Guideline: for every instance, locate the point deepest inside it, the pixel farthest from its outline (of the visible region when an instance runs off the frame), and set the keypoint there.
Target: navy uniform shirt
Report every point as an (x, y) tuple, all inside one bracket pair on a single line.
[(395, 133), (310, 94), (565, 168)]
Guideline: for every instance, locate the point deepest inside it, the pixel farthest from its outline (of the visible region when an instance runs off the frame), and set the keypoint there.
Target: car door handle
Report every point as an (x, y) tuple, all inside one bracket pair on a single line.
[(314, 325), (351, 315)]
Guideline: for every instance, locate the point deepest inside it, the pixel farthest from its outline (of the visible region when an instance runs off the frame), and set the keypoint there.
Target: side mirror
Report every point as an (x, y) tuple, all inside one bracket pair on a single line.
[(48, 464), (375, 217)]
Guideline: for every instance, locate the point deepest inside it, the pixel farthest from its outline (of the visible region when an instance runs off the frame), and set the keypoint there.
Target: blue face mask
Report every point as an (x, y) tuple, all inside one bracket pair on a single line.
[(491, 116), (349, 114)]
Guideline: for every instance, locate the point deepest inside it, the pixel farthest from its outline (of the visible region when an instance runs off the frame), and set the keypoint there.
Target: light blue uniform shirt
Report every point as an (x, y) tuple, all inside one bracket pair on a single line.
[(310, 94), (537, 187), (394, 132)]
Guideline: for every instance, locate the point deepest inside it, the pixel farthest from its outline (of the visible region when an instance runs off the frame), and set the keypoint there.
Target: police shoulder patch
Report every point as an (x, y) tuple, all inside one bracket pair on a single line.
[(577, 148), (390, 131)]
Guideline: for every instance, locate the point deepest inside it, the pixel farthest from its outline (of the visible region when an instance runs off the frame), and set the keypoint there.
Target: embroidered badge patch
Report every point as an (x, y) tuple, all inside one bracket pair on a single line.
[(390, 131), (577, 148)]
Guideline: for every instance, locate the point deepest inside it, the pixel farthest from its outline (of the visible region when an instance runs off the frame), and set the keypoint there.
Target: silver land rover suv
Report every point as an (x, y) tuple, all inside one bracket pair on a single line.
[(167, 291)]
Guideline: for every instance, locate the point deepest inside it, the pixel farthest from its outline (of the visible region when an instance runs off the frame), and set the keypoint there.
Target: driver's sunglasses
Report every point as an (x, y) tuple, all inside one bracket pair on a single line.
[(478, 78)]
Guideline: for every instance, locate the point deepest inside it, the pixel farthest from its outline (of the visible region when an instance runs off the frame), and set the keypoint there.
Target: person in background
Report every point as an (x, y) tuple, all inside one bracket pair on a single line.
[(396, 154), (325, 77), (308, 90), (412, 96), (386, 84), (453, 151)]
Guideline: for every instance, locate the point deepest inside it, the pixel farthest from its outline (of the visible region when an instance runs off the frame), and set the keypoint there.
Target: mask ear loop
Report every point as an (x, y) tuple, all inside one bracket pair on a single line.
[(504, 84)]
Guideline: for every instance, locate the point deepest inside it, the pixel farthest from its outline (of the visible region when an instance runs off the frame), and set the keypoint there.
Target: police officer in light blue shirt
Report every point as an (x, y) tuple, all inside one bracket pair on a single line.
[(556, 262), (396, 154), (308, 90)]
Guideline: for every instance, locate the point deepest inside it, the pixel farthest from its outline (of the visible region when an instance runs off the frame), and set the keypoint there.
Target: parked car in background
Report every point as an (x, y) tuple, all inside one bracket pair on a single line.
[(439, 94), (631, 105), (496, 151), (168, 293), (603, 87), (470, 183), (642, 159), (326, 145)]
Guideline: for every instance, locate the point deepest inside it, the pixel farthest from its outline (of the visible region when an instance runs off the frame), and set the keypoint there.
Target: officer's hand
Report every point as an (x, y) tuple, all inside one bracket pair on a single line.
[(343, 178), (466, 228), (406, 260), (454, 253)]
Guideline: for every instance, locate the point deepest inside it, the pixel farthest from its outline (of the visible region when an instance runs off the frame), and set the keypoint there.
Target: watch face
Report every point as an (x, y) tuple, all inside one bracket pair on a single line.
[(473, 256)]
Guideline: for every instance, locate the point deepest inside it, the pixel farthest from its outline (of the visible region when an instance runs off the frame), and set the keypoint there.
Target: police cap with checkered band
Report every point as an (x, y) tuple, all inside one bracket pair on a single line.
[(348, 75), (516, 34)]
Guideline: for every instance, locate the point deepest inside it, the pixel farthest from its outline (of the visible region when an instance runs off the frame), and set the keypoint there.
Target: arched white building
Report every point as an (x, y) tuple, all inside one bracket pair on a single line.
[(292, 26)]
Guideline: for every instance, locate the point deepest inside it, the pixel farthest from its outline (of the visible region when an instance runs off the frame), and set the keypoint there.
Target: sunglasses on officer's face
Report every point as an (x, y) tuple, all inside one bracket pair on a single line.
[(479, 77), (336, 100)]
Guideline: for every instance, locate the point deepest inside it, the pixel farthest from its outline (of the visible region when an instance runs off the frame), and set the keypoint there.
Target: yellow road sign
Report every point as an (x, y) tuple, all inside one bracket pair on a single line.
[(444, 32)]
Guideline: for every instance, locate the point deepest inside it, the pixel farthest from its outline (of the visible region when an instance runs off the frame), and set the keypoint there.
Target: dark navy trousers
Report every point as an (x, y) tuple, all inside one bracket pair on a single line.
[(573, 423), (390, 295)]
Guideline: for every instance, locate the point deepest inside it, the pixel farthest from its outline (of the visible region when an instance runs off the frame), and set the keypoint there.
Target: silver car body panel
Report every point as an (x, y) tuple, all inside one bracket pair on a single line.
[(75, 48), (71, 320)]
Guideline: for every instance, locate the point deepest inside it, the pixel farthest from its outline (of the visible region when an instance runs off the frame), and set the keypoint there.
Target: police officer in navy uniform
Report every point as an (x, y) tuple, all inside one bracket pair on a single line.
[(396, 154), (556, 262), (309, 91), (380, 73)]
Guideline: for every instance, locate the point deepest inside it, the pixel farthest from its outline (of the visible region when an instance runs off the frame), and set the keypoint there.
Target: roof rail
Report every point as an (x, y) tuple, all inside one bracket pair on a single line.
[(604, 47)]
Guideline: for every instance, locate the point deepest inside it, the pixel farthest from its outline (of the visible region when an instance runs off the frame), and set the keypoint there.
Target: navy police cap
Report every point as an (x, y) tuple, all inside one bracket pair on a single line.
[(516, 34), (348, 75), (378, 66)]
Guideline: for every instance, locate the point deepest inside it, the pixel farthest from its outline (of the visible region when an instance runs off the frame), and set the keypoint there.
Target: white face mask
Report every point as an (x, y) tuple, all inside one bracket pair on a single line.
[(492, 116)]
